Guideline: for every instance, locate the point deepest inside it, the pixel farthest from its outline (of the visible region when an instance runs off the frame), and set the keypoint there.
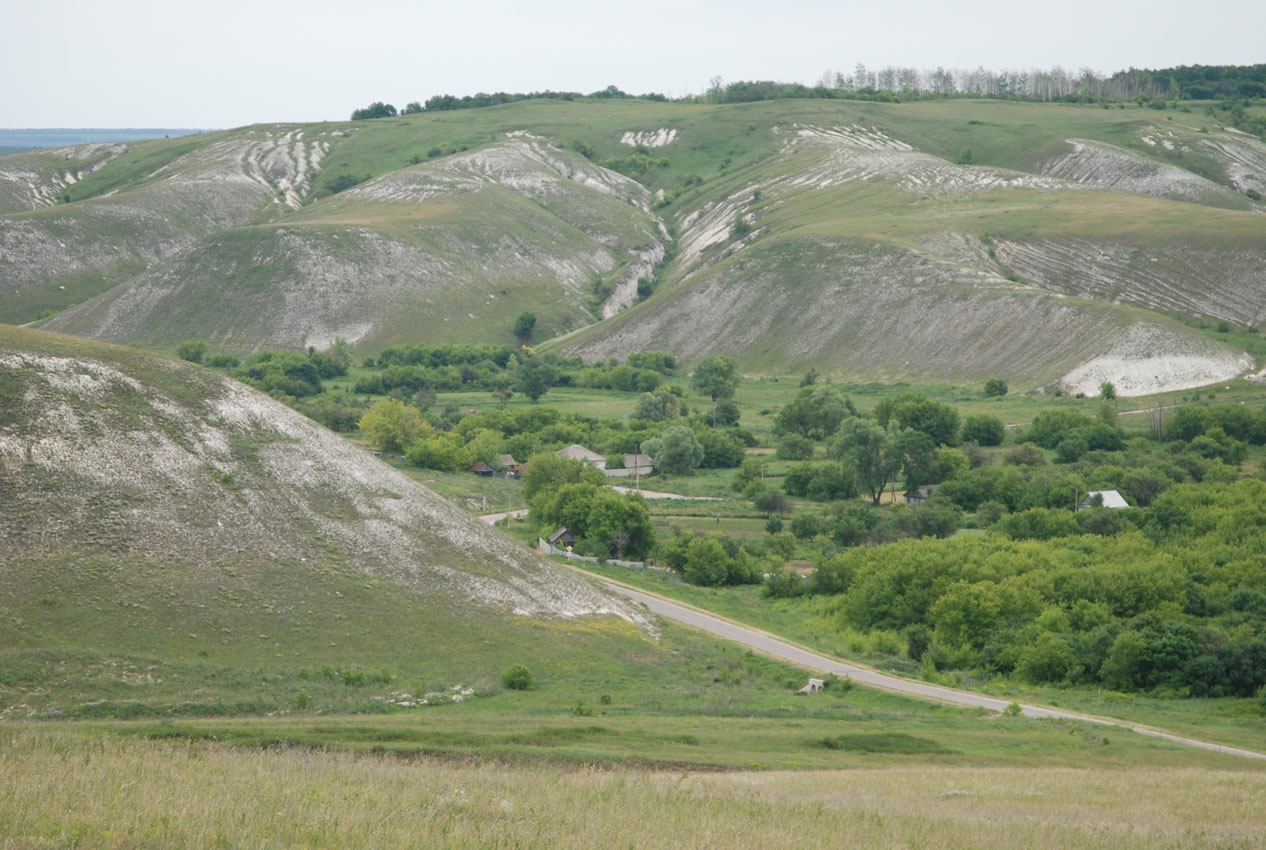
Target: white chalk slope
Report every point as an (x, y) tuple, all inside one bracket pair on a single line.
[(106, 453)]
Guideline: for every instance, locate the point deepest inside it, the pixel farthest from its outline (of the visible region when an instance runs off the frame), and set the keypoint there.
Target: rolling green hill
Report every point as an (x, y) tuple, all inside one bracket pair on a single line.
[(934, 239), (447, 251), (168, 535)]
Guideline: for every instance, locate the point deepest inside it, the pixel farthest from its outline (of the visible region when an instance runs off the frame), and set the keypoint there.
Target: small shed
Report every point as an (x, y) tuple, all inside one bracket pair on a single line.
[(508, 461), (1104, 499), (815, 686), (562, 538), (918, 495), (578, 452), (482, 469)]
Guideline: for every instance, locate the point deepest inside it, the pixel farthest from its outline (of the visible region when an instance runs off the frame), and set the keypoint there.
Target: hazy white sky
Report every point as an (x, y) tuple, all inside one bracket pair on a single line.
[(141, 63)]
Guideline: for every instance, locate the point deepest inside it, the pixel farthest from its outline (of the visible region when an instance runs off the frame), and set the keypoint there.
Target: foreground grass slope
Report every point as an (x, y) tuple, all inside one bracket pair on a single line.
[(130, 793)]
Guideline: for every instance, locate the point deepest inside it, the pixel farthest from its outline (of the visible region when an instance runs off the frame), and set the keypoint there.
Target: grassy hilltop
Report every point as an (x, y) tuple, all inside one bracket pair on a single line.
[(934, 239)]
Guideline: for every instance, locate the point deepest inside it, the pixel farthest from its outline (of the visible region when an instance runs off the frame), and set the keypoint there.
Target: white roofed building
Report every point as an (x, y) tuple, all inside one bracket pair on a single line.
[(578, 452), (1102, 499)]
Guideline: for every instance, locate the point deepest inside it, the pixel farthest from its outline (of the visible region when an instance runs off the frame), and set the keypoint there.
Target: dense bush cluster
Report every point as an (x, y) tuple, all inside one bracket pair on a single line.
[(452, 368), (285, 372), (713, 560), (854, 525), (1174, 601)]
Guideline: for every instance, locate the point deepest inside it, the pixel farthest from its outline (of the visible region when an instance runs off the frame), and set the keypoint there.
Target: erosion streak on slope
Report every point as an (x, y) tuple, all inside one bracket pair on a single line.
[(1112, 167), (1219, 281), (221, 184), (861, 154), (34, 180), (866, 309), (821, 158), (1243, 157)]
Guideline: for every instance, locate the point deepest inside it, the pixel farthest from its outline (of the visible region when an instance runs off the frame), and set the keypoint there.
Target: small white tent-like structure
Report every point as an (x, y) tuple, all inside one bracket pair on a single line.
[(1106, 499)]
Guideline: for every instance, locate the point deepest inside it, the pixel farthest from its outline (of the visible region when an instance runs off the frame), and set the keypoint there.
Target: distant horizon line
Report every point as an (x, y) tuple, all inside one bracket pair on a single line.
[(112, 129)]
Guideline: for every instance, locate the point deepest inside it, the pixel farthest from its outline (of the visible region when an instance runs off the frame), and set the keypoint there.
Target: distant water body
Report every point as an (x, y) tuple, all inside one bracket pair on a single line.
[(58, 137)]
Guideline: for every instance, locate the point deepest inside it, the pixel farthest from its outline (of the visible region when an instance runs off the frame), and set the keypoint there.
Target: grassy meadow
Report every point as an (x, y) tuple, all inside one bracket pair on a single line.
[(59, 790)]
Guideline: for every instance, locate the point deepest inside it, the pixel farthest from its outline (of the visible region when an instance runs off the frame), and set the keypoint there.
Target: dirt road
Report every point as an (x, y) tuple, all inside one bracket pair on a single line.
[(493, 519), (777, 648)]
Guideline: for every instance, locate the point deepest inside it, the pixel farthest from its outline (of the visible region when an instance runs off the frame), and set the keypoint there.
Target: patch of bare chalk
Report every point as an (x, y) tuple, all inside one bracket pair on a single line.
[(649, 138), (1149, 359)]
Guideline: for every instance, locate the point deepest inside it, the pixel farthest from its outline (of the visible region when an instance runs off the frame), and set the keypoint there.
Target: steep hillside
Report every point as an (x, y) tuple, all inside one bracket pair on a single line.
[(150, 507), (449, 250), (37, 179), (132, 206), (855, 251), (951, 239)]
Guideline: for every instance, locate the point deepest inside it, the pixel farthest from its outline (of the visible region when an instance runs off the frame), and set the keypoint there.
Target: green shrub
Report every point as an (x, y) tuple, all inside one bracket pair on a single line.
[(794, 447), (517, 677), (983, 430), (192, 350), (222, 361)]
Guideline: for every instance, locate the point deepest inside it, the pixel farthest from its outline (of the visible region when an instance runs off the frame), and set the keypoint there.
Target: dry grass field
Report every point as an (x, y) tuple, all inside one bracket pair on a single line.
[(61, 789)]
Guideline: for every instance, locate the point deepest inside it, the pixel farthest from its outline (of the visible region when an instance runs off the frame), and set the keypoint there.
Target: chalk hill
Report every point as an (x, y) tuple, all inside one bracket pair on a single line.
[(942, 240), (150, 506)]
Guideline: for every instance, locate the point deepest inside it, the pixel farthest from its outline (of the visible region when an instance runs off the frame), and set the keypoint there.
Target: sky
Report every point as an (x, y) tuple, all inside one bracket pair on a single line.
[(199, 64)]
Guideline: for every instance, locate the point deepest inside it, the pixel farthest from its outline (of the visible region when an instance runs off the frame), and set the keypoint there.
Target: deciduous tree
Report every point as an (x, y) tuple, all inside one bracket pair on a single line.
[(872, 452), (390, 425), (676, 451), (716, 377)]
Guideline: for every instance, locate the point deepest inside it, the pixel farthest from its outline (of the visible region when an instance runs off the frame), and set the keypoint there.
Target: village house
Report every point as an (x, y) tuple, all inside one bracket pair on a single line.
[(562, 539), (512, 466), (578, 452), (918, 495), (638, 464)]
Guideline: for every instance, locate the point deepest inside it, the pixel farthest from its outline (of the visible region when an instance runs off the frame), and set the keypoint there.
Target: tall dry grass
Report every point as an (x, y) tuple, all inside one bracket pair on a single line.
[(72, 791)]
